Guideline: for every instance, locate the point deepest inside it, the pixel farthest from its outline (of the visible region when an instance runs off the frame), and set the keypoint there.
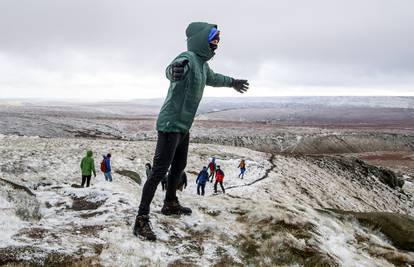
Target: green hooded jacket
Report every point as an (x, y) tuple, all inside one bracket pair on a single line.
[(180, 106), (88, 165)]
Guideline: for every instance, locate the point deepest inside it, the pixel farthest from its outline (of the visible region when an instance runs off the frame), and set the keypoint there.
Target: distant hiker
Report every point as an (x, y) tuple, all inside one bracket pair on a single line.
[(87, 166), (201, 181), (106, 167), (148, 169), (242, 166), (212, 168), (148, 172), (182, 184), (188, 75), (219, 179), (164, 181)]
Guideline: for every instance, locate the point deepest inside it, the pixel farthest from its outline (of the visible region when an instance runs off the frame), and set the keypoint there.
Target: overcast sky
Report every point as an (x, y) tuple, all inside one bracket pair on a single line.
[(99, 49)]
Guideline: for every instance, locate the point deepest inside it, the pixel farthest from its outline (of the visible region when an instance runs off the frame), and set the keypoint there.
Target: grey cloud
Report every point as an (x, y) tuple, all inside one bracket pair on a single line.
[(341, 43)]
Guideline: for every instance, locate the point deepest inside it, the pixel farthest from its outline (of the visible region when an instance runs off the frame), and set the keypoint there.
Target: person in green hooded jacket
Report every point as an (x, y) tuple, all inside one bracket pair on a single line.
[(188, 73), (88, 167)]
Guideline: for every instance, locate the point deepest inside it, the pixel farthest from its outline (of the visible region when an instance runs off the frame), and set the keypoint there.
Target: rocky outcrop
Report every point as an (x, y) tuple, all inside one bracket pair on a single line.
[(84, 203), (17, 256), (24, 201), (134, 176), (358, 168), (315, 143), (399, 228)]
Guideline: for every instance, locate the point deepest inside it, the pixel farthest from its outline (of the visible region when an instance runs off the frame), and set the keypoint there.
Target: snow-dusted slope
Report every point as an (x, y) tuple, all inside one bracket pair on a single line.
[(270, 218)]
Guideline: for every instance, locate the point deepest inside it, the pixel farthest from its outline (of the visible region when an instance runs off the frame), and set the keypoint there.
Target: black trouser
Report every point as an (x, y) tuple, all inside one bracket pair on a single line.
[(172, 149), (215, 186), (211, 175), (87, 179), (202, 186)]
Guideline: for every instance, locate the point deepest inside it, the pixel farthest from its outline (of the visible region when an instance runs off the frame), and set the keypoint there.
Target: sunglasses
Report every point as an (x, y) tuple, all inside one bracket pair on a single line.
[(215, 41)]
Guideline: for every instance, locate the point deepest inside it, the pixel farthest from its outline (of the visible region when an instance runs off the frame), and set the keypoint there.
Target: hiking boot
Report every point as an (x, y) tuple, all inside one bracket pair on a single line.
[(174, 208), (143, 228)]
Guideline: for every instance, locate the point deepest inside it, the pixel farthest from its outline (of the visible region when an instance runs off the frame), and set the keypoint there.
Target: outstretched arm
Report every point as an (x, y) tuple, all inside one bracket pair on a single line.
[(177, 70), (219, 80)]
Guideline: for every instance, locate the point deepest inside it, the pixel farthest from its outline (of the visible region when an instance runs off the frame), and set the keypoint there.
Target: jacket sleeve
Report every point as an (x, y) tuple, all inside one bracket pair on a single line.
[(81, 164), (217, 79), (168, 70)]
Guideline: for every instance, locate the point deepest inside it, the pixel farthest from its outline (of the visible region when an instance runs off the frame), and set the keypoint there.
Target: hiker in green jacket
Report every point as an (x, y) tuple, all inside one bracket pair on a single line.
[(188, 75), (87, 166)]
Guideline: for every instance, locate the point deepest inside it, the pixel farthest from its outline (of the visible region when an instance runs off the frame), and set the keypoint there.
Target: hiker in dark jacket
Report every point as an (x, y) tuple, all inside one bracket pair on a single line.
[(164, 181), (87, 166), (182, 184), (188, 75), (219, 179), (107, 172), (148, 169), (201, 180), (148, 172)]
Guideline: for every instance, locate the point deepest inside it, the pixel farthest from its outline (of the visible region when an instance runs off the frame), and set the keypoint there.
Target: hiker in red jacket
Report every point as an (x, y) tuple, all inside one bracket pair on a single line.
[(219, 179), (212, 168)]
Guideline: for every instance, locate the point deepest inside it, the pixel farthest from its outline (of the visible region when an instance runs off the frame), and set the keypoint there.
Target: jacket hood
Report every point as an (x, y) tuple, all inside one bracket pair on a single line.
[(197, 39), (89, 153)]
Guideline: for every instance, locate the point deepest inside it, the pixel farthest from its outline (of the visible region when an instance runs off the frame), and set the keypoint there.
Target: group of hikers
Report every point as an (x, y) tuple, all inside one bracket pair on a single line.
[(87, 166), (188, 74), (204, 176), (215, 170)]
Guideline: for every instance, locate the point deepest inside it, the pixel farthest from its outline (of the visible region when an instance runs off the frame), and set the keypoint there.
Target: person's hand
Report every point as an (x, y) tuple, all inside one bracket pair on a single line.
[(177, 70), (240, 86)]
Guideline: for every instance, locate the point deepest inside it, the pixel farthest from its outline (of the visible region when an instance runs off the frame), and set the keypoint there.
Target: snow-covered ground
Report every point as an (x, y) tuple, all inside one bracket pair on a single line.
[(273, 217)]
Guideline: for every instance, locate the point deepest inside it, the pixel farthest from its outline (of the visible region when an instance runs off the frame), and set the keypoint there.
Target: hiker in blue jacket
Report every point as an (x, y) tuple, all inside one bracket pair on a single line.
[(107, 173), (202, 178)]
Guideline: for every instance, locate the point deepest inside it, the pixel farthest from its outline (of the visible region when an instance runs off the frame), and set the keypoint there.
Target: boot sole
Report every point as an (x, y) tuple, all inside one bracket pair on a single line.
[(143, 238), (172, 213)]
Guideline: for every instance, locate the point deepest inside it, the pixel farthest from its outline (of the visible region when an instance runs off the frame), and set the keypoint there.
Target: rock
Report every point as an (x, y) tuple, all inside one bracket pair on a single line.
[(83, 203), (399, 228), (23, 200), (386, 176), (358, 168), (130, 174), (17, 186), (76, 186), (313, 143), (17, 256)]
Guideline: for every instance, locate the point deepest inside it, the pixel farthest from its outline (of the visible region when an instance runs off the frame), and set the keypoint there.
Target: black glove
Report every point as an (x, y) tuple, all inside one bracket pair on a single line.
[(177, 70), (240, 86)]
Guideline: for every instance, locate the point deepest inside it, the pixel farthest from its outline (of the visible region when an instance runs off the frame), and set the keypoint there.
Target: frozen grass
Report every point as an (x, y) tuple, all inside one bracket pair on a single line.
[(268, 223)]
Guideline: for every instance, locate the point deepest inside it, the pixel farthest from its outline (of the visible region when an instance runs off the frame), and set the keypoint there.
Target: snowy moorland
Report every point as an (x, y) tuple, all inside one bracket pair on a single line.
[(287, 211)]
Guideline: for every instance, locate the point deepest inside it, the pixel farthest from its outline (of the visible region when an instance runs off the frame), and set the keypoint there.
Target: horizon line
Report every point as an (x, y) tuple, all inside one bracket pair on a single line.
[(206, 97)]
